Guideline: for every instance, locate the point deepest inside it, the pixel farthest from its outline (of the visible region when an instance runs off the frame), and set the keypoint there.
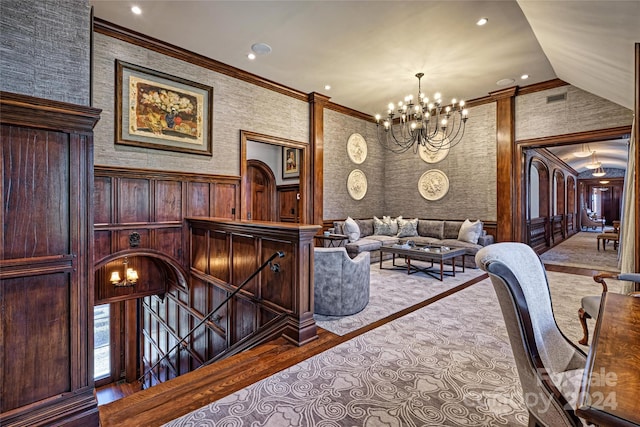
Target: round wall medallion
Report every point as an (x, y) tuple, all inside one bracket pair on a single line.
[(357, 148), (433, 155), (357, 184), (433, 184)]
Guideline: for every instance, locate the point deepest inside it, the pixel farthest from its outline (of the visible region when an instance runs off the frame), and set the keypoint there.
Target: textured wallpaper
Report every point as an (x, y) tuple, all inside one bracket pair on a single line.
[(237, 105), (470, 167), (45, 49), (580, 112), (337, 166)]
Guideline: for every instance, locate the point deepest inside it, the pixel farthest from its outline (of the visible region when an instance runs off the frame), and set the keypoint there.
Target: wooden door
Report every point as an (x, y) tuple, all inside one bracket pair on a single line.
[(262, 190)]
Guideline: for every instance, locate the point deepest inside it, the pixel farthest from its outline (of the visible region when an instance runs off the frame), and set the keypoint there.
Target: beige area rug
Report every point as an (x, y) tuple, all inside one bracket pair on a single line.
[(580, 250), (394, 290), (447, 364)]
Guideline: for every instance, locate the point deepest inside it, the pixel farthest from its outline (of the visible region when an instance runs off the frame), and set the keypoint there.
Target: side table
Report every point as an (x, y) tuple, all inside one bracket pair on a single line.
[(331, 240)]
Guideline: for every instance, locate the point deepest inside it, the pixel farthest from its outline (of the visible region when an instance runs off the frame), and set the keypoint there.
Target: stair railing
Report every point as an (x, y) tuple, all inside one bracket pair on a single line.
[(274, 267)]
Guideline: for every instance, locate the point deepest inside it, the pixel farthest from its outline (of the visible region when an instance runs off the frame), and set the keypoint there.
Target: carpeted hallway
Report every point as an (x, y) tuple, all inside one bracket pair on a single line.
[(581, 251)]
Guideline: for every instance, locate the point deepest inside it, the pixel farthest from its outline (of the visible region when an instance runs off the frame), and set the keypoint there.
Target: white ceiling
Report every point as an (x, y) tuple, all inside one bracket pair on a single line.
[(370, 51)]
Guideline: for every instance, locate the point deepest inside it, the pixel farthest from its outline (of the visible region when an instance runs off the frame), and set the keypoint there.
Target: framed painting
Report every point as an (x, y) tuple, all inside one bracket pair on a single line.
[(290, 163), (163, 112)]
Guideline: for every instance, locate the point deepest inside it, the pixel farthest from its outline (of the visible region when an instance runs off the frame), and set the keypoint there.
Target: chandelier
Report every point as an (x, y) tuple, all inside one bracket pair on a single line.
[(595, 164), (422, 123), (130, 276), (583, 152)]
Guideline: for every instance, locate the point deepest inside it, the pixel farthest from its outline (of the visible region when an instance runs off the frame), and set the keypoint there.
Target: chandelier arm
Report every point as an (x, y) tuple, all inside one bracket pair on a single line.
[(385, 142)]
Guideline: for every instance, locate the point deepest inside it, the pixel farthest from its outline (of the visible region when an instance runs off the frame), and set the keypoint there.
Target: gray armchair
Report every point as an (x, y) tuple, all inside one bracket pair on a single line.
[(341, 284), (550, 367)]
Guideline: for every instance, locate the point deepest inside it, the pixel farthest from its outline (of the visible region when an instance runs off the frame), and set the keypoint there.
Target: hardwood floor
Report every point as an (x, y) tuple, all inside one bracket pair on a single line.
[(188, 392)]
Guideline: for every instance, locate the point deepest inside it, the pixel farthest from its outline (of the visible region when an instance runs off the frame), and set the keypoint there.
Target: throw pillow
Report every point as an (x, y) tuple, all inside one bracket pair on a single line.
[(352, 229), (470, 231), (394, 224), (407, 227), (384, 227)]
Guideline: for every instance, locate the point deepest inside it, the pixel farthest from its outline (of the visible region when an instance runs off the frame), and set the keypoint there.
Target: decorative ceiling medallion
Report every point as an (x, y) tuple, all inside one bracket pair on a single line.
[(431, 156), (357, 148), (357, 184), (433, 185)]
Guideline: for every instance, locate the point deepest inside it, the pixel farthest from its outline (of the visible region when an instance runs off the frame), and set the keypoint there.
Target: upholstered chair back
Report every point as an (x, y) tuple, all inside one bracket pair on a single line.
[(550, 367), (341, 284)]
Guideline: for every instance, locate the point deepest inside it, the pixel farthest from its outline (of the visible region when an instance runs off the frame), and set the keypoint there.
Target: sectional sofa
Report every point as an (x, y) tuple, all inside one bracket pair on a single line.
[(374, 233)]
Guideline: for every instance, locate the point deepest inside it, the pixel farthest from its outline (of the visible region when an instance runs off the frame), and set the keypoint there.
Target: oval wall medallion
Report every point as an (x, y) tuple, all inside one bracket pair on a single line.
[(357, 184), (433, 184), (357, 148)]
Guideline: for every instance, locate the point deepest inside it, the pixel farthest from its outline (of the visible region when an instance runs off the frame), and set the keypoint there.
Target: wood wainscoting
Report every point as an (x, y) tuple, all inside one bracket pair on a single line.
[(225, 253), (46, 263)]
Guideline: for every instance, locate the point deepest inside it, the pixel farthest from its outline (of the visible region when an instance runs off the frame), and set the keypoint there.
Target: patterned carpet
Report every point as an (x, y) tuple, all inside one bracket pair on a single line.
[(447, 364), (391, 291), (580, 250)]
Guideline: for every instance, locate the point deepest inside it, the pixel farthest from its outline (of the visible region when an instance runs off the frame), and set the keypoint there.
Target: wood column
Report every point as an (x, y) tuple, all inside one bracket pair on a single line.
[(507, 173), (317, 102), (636, 135)]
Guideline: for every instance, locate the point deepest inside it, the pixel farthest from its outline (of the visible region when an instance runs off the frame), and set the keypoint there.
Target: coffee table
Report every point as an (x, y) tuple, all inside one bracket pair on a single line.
[(425, 253)]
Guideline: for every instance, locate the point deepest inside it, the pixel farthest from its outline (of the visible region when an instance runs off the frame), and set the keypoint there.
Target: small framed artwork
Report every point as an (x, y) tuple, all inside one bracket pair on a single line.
[(290, 163), (163, 112)]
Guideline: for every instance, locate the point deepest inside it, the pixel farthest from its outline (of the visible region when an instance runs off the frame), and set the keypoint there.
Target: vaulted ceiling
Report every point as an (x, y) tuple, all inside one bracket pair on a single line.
[(370, 51)]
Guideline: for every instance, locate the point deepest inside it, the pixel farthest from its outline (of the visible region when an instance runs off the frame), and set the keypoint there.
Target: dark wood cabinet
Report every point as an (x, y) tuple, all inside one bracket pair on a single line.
[(46, 263)]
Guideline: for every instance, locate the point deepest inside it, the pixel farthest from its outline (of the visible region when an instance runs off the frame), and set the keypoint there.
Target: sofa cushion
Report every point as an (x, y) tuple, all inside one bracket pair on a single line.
[(455, 243), (425, 241), (361, 245), (386, 240), (384, 227), (407, 227), (352, 229), (451, 229), (431, 228), (366, 226), (470, 231)]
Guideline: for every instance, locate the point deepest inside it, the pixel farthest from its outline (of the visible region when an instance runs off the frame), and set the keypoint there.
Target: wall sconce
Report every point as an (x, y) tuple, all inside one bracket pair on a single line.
[(130, 276)]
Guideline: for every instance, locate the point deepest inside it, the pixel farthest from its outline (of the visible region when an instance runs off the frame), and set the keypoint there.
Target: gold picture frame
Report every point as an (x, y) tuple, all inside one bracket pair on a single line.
[(290, 163), (163, 112)]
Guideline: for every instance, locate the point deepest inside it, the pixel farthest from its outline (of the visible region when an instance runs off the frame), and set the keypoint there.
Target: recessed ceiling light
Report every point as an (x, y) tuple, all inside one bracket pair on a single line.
[(482, 21), (261, 48), (327, 87), (524, 76), (505, 82), (251, 56), (136, 10)]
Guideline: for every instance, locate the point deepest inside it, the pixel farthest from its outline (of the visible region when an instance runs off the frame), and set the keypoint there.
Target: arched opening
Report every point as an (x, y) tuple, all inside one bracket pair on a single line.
[(262, 191), (538, 211), (571, 205), (118, 353)]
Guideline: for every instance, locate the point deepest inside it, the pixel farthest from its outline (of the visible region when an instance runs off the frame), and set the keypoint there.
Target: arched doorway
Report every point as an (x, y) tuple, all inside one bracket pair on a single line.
[(539, 208), (262, 191)]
